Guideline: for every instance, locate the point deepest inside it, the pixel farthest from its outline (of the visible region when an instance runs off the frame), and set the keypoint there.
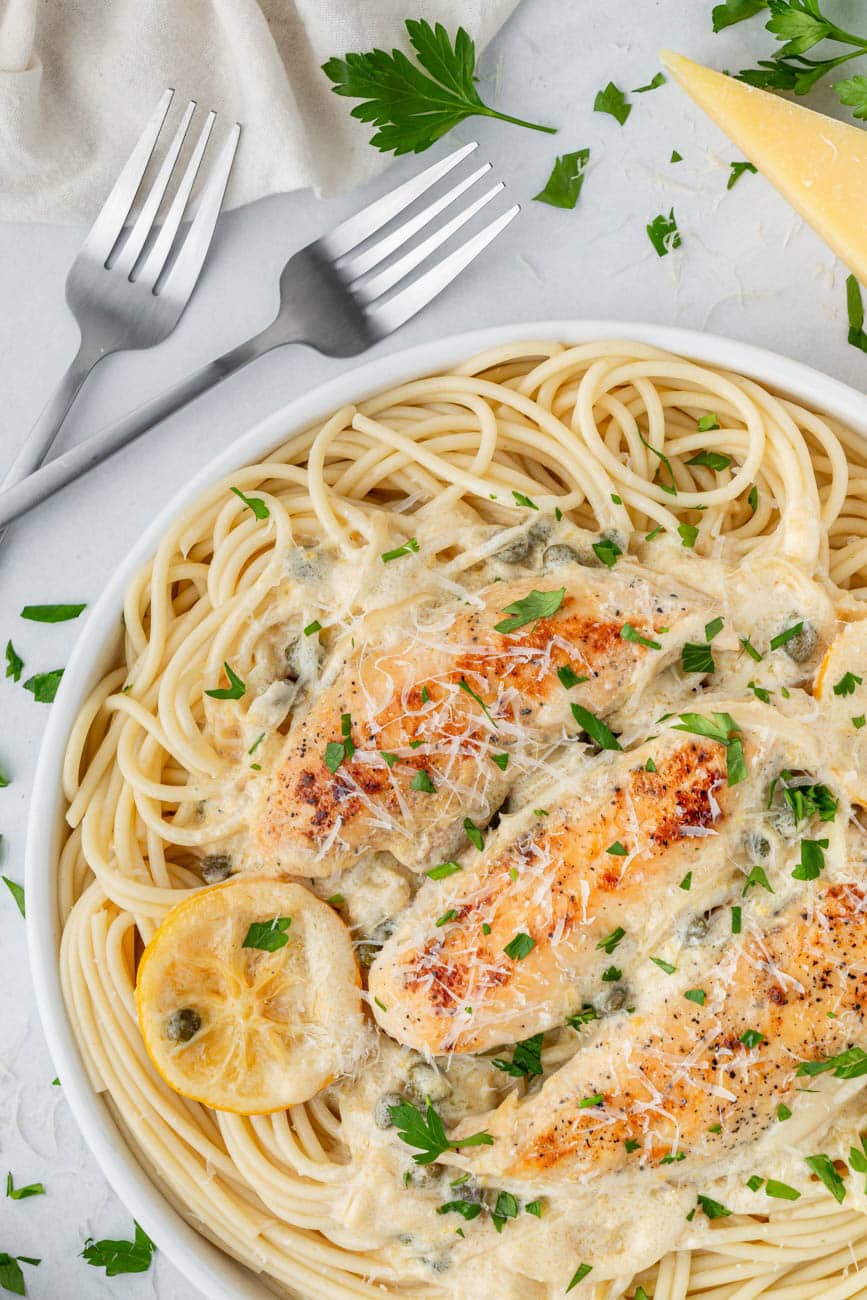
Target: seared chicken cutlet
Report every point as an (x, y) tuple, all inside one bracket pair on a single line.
[(701, 1075), (605, 862), (439, 706)]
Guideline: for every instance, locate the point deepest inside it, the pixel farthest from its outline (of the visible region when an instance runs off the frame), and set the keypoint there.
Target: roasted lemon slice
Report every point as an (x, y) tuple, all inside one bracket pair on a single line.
[(248, 996), (841, 687)]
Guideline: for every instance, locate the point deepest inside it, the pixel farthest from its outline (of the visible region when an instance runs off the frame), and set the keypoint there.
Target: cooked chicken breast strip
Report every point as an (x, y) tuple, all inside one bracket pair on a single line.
[(700, 1079), (626, 846), (444, 707)]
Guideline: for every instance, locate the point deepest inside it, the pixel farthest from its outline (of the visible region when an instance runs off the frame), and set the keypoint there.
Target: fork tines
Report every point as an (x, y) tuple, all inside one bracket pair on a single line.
[(349, 245)]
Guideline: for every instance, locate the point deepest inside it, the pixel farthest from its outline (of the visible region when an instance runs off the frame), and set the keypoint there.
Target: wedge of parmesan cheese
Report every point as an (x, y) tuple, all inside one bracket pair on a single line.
[(818, 164)]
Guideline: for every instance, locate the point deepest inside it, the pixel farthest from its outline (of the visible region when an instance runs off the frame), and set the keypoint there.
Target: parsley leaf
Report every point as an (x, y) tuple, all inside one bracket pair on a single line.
[(51, 613), (268, 936), (696, 995), (664, 965), (526, 1059), (408, 548), (469, 1210), (612, 100), (851, 1064), (501, 760), (14, 663), (579, 1275), (855, 310), (781, 1191), (520, 947), (670, 488), (569, 678), (44, 685), (443, 871), (595, 728), (118, 1257), (737, 171), (697, 658), (474, 834), (234, 691), (563, 186), (812, 860), (17, 892), (712, 459), (853, 92), (313, 627), (422, 781), (783, 638), (412, 108), (468, 690), (610, 942), (713, 1209), (724, 729), (427, 1133), (847, 684), (522, 500), (808, 801), (335, 753), (22, 1193), (537, 605), (607, 551), (663, 233), (688, 535), (628, 633), (654, 84), (735, 11), (756, 877), (11, 1276), (256, 504), (713, 628), (823, 1167)]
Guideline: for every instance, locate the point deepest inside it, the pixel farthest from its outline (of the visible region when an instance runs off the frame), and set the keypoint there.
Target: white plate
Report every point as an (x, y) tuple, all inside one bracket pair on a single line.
[(215, 1274)]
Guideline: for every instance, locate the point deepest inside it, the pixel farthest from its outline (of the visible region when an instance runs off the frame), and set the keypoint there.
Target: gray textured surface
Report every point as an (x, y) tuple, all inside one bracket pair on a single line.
[(748, 268)]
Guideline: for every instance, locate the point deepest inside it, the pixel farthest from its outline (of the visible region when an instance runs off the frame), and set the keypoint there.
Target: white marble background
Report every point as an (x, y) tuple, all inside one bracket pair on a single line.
[(748, 268)]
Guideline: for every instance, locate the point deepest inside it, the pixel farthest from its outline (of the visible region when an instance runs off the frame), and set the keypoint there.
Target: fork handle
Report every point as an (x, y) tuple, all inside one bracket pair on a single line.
[(21, 494), (45, 430)]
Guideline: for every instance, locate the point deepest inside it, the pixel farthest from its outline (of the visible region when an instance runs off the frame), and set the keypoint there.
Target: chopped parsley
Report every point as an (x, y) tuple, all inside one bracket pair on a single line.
[(11, 1276), (563, 187), (757, 876), (760, 692), (650, 766), (422, 781), (335, 753), (628, 633), (526, 1059), (501, 760), (612, 975), (522, 500), (713, 1209), (443, 871), (783, 1112), (118, 1257), (445, 918), (315, 626), (847, 684), (737, 171), (752, 1038), (583, 1017), (22, 1193), (713, 628), (712, 459), (781, 1191), (664, 965), (520, 947), (14, 663), (268, 936), (51, 613), (569, 678), (736, 920), (851, 1064), (607, 552), (427, 1133), (808, 801), (686, 883), (823, 1167), (256, 504), (610, 942), (234, 691), (654, 84), (663, 233), (17, 892), (783, 638), (671, 487), (596, 1100), (858, 722), (537, 605), (44, 685), (696, 995), (390, 759), (723, 729), (855, 310), (595, 728), (468, 690), (579, 1275), (469, 1209), (474, 835), (617, 850), (408, 548), (697, 658), (751, 650), (688, 534), (675, 157), (612, 100), (812, 860)]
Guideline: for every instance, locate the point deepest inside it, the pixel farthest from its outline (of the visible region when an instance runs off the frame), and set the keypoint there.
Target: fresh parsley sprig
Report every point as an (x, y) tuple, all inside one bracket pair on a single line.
[(413, 106), (426, 1132), (800, 25)]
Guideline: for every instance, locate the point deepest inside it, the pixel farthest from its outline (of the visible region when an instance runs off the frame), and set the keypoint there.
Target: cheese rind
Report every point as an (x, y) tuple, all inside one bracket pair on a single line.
[(819, 165)]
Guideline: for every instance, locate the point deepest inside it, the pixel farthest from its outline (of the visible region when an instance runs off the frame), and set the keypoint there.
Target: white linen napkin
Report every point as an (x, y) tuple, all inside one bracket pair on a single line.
[(79, 79)]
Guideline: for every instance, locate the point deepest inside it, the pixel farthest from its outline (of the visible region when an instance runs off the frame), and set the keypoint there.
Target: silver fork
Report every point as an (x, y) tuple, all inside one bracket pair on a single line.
[(118, 292), (335, 295)]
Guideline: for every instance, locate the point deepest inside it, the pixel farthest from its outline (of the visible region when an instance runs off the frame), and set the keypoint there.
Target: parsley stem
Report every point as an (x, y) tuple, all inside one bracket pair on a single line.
[(516, 121)]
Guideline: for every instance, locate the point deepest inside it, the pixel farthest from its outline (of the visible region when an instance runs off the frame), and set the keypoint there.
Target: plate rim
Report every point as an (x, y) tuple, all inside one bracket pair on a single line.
[(216, 1274)]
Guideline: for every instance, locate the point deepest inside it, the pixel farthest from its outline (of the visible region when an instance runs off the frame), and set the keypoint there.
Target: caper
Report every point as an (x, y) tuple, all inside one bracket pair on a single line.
[(696, 930), (292, 655), (426, 1081), (758, 846), (612, 999), (183, 1025), (517, 551), (382, 1109), (216, 867), (801, 647), (558, 554)]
